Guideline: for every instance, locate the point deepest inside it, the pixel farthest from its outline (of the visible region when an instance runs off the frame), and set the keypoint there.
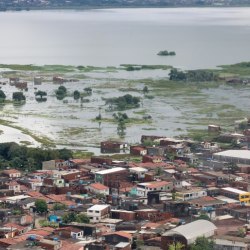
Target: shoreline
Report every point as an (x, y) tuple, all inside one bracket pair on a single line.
[(86, 8)]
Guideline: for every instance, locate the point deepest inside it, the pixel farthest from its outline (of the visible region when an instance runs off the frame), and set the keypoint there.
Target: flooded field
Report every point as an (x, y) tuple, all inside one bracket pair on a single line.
[(175, 108)]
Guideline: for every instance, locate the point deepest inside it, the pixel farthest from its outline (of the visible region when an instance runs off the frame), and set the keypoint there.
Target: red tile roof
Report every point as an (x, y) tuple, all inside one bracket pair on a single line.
[(11, 171), (14, 225), (98, 186), (120, 233)]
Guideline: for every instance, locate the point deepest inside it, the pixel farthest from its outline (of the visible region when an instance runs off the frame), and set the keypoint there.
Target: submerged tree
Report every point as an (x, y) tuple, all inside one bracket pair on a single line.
[(2, 96), (76, 95)]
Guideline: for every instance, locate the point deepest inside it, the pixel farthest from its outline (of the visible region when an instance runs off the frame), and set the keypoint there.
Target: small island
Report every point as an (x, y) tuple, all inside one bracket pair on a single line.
[(166, 53)]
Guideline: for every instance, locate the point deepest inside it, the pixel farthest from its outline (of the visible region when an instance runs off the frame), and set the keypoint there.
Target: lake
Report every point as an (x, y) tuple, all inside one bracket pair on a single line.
[(201, 37)]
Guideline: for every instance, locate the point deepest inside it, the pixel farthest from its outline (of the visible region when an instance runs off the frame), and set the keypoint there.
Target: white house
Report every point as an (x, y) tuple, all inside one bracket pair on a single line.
[(140, 172), (98, 212), (98, 188), (144, 188)]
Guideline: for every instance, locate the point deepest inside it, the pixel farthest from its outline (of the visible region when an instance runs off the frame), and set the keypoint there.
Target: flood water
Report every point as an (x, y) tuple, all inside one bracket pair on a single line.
[(201, 37)]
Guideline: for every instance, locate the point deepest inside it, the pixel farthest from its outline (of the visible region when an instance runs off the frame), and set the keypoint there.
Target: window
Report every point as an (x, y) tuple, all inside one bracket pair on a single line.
[(97, 212)]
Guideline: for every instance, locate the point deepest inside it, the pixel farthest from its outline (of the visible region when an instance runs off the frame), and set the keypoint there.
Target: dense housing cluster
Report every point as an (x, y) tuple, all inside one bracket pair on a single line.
[(163, 192)]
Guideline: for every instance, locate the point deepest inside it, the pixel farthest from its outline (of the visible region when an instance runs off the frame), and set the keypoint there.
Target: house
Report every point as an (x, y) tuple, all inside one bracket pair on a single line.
[(112, 177), (233, 193), (27, 203), (12, 173), (75, 232), (156, 151), (214, 128), (153, 159), (97, 213), (14, 80), (139, 172), (144, 188), (138, 150), (13, 185), (189, 194), (98, 188), (115, 238), (15, 199), (58, 79), (112, 146), (101, 160), (231, 242), (38, 80), (55, 164)]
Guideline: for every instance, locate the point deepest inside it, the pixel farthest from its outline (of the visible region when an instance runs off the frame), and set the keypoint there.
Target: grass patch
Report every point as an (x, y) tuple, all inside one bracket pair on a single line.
[(45, 141), (82, 154)]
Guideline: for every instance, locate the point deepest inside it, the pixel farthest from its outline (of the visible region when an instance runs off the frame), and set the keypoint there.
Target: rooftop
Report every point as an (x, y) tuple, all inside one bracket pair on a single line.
[(98, 207), (242, 154), (98, 186), (192, 230), (109, 171), (234, 190)]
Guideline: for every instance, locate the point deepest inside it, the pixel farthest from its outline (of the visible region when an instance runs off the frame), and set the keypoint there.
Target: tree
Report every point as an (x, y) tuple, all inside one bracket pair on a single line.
[(82, 218), (202, 243), (145, 90), (176, 246), (18, 96), (2, 95), (41, 206), (59, 206), (176, 75), (88, 90), (203, 217), (65, 154), (73, 217), (61, 92), (41, 94), (76, 95), (241, 232)]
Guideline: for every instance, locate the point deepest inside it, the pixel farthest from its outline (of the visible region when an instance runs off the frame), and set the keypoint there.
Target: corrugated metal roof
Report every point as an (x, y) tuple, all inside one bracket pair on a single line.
[(192, 230)]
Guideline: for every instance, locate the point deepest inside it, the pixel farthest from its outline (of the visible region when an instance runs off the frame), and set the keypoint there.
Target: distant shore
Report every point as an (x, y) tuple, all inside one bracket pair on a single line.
[(77, 8)]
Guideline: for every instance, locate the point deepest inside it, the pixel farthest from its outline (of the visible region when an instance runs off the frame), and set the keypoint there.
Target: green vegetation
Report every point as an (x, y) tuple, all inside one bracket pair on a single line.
[(202, 243), (61, 92), (88, 90), (141, 67), (41, 206), (145, 90), (59, 206), (2, 96), (45, 223), (73, 217), (242, 68), (124, 102), (18, 96), (28, 159), (166, 53), (192, 75), (203, 217), (40, 96), (76, 95), (176, 246)]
